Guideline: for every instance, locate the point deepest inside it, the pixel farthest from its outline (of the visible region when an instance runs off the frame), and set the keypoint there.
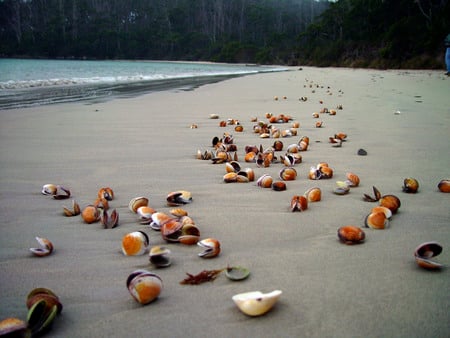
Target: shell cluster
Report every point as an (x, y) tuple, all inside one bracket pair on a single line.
[(380, 216)]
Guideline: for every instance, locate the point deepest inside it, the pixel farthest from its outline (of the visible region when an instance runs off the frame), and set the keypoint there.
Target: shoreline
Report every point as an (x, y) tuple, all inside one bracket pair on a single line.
[(144, 146)]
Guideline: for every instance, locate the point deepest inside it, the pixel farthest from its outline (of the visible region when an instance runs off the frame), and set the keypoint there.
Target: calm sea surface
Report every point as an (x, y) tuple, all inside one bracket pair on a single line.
[(26, 83)]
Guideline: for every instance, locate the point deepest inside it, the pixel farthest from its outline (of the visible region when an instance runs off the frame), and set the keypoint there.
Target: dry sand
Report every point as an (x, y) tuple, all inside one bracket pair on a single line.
[(144, 146)]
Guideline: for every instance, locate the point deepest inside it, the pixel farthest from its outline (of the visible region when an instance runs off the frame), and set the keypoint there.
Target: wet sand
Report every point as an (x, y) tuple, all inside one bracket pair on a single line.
[(144, 146)]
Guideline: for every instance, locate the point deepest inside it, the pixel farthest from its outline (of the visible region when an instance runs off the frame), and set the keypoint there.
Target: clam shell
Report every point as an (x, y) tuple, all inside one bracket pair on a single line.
[(90, 214), (376, 220), (265, 181), (342, 188), (135, 243), (145, 214), (237, 273), (45, 247), (256, 303), (13, 327), (299, 203), (110, 221), (410, 185), (424, 252), (444, 185), (137, 202), (350, 234), (288, 174), (75, 209), (38, 294), (211, 248), (277, 145), (190, 234), (352, 180), (178, 212), (171, 230), (158, 219), (178, 198), (232, 167), (144, 286), (230, 177), (159, 256), (313, 194), (391, 202), (387, 212), (279, 186), (106, 193)]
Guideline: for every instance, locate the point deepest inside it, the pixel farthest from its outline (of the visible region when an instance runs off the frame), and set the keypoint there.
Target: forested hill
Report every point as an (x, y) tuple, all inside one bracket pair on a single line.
[(367, 33)]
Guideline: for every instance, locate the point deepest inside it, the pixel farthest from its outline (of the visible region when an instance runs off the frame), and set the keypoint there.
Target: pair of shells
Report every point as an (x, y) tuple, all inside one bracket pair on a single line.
[(256, 303), (43, 307), (144, 286), (320, 171), (299, 203), (378, 218), (266, 181), (45, 247), (391, 202), (291, 159), (177, 231), (343, 187), (56, 191), (351, 234)]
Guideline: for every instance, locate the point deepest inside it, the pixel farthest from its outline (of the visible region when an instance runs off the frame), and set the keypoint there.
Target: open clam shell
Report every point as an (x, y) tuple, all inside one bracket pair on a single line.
[(256, 303), (45, 247), (178, 198), (211, 248), (424, 252), (160, 256), (237, 273)]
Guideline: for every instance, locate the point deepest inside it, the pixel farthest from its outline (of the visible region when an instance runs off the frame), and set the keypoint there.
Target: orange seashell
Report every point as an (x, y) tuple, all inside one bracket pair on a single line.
[(135, 243), (313, 194), (75, 210), (136, 203), (90, 214), (239, 128), (101, 203), (326, 172), (319, 124), (376, 220), (350, 234), (387, 212), (106, 193), (288, 174), (352, 180), (159, 219), (278, 186), (145, 214), (178, 212), (299, 203), (315, 115), (391, 202), (265, 181), (211, 248), (410, 185), (171, 230), (230, 177), (340, 136), (190, 234), (295, 124), (222, 123), (444, 186), (144, 286), (332, 112), (250, 157)]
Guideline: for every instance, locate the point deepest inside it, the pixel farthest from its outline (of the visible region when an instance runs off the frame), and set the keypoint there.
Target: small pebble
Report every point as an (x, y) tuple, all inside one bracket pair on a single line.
[(362, 152)]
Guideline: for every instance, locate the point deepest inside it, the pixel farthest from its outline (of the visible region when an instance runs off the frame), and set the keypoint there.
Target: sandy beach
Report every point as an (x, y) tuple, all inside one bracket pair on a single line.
[(144, 146)]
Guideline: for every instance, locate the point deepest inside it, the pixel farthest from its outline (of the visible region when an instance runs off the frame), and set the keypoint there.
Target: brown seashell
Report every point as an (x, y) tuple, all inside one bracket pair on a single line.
[(265, 181), (299, 203), (424, 252), (232, 167), (391, 202), (145, 214), (340, 136), (178, 198), (387, 212), (295, 124), (45, 247), (137, 202), (444, 185), (13, 327), (352, 180), (135, 243), (171, 230), (376, 220), (211, 248), (75, 210), (101, 203), (249, 173), (158, 219), (319, 124), (410, 185), (90, 214), (230, 177), (251, 148), (288, 174), (377, 196), (278, 145), (292, 149), (326, 172), (313, 194), (250, 157), (144, 286), (159, 256), (110, 221), (278, 186), (350, 234), (239, 128), (332, 112), (222, 123), (315, 115), (190, 234), (106, 193)]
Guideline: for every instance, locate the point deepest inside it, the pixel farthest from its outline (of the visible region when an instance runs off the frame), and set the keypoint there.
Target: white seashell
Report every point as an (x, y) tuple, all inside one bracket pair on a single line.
[(256, 303)]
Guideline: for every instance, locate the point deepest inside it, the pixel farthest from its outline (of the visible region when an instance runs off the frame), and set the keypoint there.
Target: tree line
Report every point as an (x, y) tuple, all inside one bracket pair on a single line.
[(362, 33)]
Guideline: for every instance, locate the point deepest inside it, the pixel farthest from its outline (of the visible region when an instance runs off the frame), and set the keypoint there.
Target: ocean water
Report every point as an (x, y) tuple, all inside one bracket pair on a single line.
[(28, 82)]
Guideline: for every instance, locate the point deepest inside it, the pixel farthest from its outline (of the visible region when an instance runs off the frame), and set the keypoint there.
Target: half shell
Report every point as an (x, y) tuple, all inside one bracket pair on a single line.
[(424, 252), (256, 303)]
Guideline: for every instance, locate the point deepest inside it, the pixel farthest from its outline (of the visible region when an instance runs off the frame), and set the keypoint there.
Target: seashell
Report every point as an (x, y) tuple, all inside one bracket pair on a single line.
[(251, 148), (180, 197), (299, 203), (159, 219), (293, 148), (231, 148), (239, 128), (220, 157), (51, 299), (350, 234), (106, 193), (264, 135), (319, 124), (171, 230), (342, 188), (242, 177), (110, 221), (190, 234), (230, 177), (211, 248), (377, 196), (178, 212), (159, 256), (293, 132), (313, 194), (222, 123), (391, 202), (90, 214), (303, 146), (278, 186), (362, 152), (352, 180), (326, 172), (137, 202), (387, 212), (145, 214), (295, 124), (315, 115), (13, 327), (424, 252), (49, 189), (410, 185), (249, 173), (340, 136), (332, 112), (144, 286), (101, 203), (186, 220), (213, 116), (256, 303), (275, 133), (43, 306), (75, 210), (135, 243), (45, 247), (288, 174), (314, 173), (376, 220), (207, 155), (250, 157), (265, 181), (278, 145), (444, 186), (232, 167), (237, 273)]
